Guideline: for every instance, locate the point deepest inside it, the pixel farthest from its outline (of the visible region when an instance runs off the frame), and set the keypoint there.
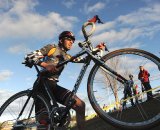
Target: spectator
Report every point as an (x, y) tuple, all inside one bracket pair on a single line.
[(135, 92), (143, 76), (128, 91)]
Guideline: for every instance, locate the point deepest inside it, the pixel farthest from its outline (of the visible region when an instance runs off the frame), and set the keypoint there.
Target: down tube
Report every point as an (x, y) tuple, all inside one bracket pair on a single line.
[(80, 77)]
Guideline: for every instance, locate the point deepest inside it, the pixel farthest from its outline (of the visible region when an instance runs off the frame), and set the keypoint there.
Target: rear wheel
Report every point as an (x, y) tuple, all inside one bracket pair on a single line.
[(29, 119), (106, 93)]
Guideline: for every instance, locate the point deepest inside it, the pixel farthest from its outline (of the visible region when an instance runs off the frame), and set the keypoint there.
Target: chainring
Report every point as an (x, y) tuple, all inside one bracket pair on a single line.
[(56, 120)]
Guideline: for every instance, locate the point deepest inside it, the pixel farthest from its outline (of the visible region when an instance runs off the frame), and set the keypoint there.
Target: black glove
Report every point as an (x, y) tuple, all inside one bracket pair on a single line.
[(31, 59)]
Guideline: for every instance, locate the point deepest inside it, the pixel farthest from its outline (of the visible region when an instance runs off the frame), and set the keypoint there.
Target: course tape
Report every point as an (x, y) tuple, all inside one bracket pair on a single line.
[(124, 100)]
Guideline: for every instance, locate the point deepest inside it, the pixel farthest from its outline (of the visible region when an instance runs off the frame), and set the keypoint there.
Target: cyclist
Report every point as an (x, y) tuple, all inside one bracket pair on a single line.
[(52, 55), (143, 76)]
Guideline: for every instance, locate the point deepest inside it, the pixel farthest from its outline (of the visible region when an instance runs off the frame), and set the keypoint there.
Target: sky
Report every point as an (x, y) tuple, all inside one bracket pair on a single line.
[(28, 25)]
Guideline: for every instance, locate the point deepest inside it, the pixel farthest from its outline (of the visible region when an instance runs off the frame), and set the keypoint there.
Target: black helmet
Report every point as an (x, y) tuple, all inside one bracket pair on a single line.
[(67, 34)]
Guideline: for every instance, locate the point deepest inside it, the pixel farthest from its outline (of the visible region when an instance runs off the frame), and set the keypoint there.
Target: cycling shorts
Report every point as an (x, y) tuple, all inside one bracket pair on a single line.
[(60, 94)]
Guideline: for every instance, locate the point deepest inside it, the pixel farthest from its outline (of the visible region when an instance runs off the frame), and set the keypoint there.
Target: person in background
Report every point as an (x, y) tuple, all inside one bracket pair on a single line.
[(128, 91), (135, 92), (143, 76)]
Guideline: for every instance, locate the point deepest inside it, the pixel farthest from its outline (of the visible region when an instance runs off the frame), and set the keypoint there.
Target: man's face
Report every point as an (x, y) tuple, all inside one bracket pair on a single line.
[(141, 68), (68, 43)]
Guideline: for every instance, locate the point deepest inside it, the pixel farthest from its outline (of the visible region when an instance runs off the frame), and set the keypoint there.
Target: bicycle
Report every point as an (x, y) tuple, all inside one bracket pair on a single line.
[(105, 86)]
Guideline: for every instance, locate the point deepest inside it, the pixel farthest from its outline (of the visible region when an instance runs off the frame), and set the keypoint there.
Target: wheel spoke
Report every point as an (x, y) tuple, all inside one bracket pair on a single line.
[(11, 109), (119, 107)]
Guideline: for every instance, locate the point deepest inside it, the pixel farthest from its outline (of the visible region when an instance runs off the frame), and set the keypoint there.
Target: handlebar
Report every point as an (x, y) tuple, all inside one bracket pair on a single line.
[(87, 35), (91, 22)]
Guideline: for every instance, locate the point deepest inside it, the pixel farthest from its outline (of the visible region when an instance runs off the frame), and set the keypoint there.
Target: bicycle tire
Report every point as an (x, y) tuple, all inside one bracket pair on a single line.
[(13, 105), (105, 113)]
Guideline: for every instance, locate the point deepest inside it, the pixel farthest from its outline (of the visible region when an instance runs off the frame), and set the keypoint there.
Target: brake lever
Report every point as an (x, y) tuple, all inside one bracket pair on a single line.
[(106, 49), (95, 19)]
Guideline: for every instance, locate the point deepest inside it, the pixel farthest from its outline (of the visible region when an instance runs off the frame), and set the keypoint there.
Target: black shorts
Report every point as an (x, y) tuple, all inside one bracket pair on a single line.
[(60, 94)]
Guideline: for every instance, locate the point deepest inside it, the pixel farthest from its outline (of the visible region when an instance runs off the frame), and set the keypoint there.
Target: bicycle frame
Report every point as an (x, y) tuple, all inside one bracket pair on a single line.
[(91, 57)]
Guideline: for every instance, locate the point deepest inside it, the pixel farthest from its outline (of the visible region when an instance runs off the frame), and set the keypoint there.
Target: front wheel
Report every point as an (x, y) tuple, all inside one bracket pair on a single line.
[(10, 117), (123, 106)]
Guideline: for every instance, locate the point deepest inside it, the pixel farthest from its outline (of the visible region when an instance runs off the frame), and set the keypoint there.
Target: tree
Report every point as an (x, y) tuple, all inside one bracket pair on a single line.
[(111, 80)]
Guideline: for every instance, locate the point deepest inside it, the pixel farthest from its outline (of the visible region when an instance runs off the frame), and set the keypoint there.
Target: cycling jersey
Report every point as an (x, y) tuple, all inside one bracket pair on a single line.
[(53, 55)]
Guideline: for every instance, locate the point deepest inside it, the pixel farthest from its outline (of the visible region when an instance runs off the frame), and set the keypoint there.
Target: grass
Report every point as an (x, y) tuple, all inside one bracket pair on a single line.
[(99, 124), (129, 114)]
